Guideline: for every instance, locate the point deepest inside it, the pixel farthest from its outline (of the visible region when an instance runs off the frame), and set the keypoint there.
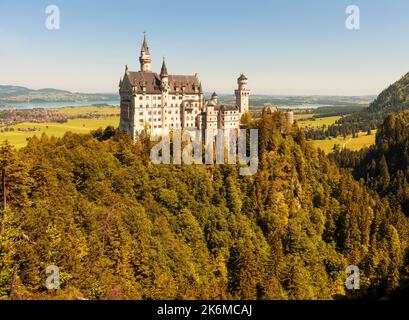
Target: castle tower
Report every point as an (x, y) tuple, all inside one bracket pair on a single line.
[(214, 98), (164, 76), (164, 83), (242, 95), (145, 57)]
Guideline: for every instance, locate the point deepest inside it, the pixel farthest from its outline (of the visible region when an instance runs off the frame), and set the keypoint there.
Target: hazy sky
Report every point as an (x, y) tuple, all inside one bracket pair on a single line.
[(283, 46)]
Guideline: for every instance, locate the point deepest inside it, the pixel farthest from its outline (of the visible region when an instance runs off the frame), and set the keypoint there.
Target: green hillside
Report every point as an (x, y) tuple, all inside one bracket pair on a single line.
[(394, 99), (119, 227), (385, 165)]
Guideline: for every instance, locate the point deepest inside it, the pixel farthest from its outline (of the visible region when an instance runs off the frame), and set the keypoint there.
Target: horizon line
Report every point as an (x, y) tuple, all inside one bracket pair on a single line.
[(205, 92)]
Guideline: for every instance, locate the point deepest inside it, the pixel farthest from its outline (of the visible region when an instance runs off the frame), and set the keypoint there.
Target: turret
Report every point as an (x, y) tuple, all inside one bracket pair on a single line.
[(164, 76), (214, 98), (145, 57), (242, 82), (242, 94)]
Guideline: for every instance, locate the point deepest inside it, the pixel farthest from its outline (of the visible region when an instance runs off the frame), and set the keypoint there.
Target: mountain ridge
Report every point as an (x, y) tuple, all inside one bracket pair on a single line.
[(12, 93), (395, 98)]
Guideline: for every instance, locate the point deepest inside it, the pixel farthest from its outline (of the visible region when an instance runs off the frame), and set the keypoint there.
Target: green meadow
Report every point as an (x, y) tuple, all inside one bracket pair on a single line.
[(362, 141), (88, 110), (19, 139), (318, 122)]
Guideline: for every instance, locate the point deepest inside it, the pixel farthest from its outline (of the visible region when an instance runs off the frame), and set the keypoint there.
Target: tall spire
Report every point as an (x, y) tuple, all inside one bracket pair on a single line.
[(145, 47), (164, 70), (145, 57)]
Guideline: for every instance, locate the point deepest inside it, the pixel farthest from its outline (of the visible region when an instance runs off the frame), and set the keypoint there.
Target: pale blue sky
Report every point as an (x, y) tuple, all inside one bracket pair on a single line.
[(283, 46)]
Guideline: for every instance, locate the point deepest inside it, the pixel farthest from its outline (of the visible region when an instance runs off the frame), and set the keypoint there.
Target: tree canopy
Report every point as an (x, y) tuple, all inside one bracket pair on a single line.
[(119, 227)]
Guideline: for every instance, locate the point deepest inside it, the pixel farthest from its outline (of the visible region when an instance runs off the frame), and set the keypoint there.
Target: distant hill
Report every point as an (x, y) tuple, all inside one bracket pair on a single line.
[(393, 99), (9, 93), (259, 100)]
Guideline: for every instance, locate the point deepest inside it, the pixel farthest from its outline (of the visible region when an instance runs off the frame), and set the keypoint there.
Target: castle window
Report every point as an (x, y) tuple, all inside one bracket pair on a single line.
[(140, 98)]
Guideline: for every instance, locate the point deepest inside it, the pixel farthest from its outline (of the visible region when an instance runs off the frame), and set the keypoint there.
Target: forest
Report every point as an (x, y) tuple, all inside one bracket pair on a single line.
[(119, 227)]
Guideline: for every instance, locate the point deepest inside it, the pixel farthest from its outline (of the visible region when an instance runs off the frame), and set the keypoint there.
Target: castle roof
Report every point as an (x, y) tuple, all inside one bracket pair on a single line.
[(164, 70), (242, 77), (225, 107), (151, 81), (211, 103), (145, 47), (228, 107)]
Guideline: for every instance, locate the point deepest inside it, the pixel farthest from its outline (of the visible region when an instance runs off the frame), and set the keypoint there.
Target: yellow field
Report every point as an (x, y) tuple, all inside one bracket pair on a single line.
[(355, 144), (362, 141), (19, 139), (301, 116), (319, 122), (73, 111)]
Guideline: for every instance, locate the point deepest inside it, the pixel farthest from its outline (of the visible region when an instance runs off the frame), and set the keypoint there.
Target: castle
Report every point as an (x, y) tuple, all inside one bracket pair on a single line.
[(162, 102)]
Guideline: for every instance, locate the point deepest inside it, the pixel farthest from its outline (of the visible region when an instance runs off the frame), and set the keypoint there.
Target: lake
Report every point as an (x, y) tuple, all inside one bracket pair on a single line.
[(52, 105), (303, 106)]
